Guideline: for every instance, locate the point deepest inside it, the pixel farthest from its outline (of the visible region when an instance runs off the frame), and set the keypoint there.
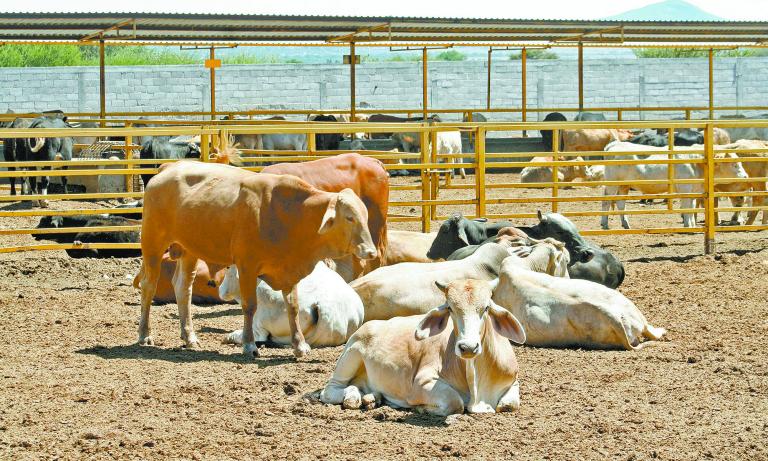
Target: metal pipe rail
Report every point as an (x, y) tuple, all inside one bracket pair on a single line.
[(482, 193), (111, 116)]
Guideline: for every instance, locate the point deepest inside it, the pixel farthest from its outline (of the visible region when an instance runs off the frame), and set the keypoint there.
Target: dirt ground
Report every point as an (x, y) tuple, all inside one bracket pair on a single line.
[(74, 385)]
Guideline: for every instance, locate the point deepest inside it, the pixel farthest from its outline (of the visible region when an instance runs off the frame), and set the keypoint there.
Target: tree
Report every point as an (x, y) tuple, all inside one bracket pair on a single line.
[(696, 53), (450, 55), (535, 53)]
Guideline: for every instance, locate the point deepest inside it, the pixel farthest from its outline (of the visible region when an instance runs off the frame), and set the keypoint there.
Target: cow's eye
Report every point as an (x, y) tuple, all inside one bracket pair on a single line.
[(350, 218)]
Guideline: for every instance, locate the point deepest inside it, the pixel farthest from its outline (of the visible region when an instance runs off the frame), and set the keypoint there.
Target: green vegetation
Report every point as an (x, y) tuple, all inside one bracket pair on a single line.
[(534, 54), (450, 55), (696, 53), (74, 55)]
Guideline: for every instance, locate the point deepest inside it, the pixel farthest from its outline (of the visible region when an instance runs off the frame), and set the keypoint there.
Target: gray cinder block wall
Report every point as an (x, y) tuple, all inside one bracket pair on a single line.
[(551, 83)]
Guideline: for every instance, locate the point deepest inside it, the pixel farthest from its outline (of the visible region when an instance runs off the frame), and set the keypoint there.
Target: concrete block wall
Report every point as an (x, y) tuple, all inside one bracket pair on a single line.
[(551, 83)]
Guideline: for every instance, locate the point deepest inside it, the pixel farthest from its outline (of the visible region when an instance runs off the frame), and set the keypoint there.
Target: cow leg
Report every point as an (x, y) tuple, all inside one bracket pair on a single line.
[(757, 200), (438, 398), (689, 219), (300, 346), (44, 182), (609, 190), (621, 206), (249, 303), (510, 401), (12, 181), (183, 279), (148, 277), (338, 390)]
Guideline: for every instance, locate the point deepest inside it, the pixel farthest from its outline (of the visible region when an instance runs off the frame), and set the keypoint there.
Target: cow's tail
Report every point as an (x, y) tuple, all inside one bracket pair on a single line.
[(652, 333), (139, 276), (226, 153)]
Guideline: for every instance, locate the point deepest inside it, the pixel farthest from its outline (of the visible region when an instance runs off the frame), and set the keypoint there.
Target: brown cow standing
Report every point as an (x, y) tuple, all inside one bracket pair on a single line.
[(365, 176), (270, 226)]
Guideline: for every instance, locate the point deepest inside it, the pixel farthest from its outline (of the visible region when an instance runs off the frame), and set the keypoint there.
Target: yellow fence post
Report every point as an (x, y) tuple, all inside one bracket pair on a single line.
[(555, 150), (205, 146), (709, 194), (311, 144), (128, 156), (670, 167), (480, 171), (434, 176), (426, 219)]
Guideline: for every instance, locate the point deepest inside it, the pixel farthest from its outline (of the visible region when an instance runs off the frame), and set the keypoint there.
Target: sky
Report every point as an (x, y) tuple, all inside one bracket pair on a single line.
[(745, 10)]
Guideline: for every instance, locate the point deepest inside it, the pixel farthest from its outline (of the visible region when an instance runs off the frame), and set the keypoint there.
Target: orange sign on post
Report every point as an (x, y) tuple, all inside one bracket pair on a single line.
[(212, 63)]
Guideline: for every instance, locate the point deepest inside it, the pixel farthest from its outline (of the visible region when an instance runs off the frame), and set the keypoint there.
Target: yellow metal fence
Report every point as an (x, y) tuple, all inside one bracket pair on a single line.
[(488, 191)]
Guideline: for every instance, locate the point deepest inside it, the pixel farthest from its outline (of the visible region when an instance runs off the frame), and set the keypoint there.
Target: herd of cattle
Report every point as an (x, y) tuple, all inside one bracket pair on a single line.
[(428, 320)]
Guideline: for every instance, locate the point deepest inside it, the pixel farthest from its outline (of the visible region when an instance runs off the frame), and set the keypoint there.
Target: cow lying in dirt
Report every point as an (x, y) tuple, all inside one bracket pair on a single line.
[(458, 356), (562, 312), (329, 310)]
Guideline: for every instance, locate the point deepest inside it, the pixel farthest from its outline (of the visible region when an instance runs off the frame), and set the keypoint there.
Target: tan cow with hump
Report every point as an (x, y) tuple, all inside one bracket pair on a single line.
[(271, 226), (458, 356)]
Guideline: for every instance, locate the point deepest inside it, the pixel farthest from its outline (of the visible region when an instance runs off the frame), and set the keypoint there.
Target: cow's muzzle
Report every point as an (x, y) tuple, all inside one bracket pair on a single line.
[(365, 252), (468, 349)]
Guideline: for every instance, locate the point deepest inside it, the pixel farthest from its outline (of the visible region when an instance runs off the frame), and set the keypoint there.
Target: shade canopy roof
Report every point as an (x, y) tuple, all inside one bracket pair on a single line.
[(214, 28)]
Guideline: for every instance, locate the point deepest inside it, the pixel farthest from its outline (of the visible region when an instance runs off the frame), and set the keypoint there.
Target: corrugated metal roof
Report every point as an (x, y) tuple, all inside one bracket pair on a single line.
[(275, 28)]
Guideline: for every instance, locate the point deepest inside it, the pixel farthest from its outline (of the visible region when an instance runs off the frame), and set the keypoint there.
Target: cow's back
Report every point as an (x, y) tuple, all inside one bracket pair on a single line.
[(365, 176), (213, 210)]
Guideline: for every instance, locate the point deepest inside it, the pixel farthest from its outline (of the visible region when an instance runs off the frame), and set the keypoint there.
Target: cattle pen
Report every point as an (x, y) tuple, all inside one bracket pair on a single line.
[(75, 385)]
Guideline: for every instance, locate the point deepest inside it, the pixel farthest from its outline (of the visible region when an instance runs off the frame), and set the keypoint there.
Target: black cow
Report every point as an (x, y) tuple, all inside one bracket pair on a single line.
[(130, 214), (158, 148), (15, 151), (327, 141), (546, 135), (59, 222), (589, 117), (47, 149), (588, 260), (682, 137), (458, 232)]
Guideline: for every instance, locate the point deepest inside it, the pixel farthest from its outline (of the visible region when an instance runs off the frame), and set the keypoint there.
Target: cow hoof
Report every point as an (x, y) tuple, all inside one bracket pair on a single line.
[(369, 401), (194, 344), (146, 341), (43, 203), (302, 350), (352, 398), (481, 407), (250, 350)]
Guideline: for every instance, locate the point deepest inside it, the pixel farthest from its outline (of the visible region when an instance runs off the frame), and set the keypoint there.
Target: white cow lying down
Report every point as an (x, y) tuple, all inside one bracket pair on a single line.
[(561, 312), (456, 356), (409, 288), (329, 310)]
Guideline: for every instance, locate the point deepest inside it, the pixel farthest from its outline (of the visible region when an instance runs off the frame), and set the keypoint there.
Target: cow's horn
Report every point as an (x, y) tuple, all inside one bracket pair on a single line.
[(538, 212), (39, 143)]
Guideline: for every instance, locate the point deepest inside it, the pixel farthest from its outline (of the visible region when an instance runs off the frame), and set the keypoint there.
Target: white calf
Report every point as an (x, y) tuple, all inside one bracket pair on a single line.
[(329, 310), (456, 356)]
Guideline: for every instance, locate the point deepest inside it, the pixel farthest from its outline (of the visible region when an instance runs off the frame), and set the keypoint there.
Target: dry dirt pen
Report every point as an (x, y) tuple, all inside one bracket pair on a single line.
[(73, 385)]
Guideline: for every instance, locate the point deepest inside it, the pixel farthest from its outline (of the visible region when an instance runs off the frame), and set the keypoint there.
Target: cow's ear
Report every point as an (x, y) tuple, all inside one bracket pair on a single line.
[(433, 323), (506, 324), (586, 256), (463, 235), (329, 216)]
